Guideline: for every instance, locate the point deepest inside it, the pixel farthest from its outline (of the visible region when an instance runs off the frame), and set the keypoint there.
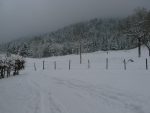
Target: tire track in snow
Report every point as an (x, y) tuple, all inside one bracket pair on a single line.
[(109, 96), (47, 102), (33, 100)]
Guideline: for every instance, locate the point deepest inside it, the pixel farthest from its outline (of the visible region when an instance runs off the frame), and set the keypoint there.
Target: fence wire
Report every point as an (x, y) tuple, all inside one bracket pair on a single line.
[(99, 64)]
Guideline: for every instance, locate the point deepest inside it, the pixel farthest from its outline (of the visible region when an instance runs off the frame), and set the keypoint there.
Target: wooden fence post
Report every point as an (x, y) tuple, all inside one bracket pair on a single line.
[(106, 63), (124, 61), (55, 65), (69, 64), (43, 64), (34, 66), (146, 64), (88, 64)]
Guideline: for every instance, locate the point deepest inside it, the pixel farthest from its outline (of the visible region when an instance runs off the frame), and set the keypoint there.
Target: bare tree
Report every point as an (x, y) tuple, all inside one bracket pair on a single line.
[(146, 25), (147, 43), (137, 32), (137, 28)]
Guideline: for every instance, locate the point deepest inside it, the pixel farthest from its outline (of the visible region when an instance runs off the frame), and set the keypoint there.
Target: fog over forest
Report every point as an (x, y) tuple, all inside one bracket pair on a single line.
[(20, 18)]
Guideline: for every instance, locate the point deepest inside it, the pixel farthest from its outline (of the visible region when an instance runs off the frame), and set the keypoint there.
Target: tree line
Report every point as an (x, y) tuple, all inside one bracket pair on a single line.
[(90, 36)]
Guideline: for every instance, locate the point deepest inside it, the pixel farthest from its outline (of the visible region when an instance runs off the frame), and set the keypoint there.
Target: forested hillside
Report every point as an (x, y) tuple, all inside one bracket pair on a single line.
[(96, 34)]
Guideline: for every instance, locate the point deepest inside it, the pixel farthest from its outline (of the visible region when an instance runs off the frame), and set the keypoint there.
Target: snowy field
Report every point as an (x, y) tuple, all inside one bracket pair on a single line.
[(80, 89)]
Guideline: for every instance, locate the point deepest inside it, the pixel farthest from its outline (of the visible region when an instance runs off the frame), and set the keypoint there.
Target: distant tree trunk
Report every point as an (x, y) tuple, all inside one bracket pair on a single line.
[(148, 47), (2, 72), (77, 51), (8, 71), (139, 47)]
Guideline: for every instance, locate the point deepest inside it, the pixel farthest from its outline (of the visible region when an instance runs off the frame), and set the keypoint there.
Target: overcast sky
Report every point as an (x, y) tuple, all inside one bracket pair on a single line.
[(19, 18)]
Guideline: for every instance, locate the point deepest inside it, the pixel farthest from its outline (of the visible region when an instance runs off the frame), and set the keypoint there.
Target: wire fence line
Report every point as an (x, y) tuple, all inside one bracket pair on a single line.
[(101, 64)]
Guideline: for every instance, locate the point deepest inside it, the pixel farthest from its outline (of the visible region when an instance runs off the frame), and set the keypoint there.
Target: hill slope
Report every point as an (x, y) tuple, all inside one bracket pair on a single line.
[(93, 35), (80, 90), (97, 34)]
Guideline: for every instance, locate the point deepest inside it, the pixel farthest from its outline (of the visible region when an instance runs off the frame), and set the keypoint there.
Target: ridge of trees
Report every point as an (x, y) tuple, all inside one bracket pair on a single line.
[(97, 34)]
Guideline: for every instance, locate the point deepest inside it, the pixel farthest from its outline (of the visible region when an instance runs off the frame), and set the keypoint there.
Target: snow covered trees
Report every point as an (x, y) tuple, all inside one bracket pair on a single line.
[(97, 34), (11, 65), (138, 28), (146, 25)]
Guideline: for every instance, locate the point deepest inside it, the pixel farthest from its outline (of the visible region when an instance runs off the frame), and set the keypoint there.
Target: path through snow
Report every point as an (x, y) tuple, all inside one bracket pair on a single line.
[(80, 90)]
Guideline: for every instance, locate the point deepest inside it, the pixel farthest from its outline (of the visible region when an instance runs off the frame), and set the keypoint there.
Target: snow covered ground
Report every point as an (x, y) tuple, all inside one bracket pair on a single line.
[(80, 90)]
